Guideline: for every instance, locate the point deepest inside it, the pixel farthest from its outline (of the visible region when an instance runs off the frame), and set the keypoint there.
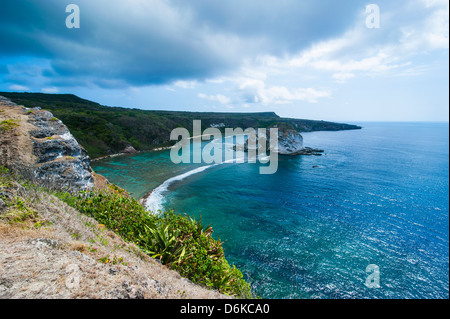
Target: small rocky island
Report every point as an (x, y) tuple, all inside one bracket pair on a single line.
[(290, 143)]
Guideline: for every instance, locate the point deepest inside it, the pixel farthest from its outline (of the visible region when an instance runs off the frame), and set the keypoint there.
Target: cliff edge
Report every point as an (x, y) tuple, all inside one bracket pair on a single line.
[(39, 146), (48, 249)]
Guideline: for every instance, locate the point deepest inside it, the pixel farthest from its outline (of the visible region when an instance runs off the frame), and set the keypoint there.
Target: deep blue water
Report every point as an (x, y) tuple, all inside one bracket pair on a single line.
[(379, 196)]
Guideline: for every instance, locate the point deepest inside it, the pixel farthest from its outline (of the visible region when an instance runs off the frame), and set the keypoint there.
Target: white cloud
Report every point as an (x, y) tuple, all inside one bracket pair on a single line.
[(437, 27), (281, 94), (256, 91), (50, 90), (416, 29), (18, 87), (186, 84), (343, 77), (344, 58), (394, 50), (216, 81), (222, 99), (378, 64)]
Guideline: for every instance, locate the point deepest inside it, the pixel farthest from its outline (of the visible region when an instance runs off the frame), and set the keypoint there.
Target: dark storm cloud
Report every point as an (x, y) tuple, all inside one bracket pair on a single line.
[(287, 25), (135, 42)]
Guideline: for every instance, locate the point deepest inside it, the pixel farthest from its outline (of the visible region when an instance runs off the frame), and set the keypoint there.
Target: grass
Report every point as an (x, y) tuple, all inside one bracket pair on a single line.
[(8, 125), (180, 242), (19, 209)]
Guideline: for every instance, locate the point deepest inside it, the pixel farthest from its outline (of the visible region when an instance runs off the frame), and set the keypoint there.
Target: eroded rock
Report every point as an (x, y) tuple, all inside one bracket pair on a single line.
[(52, 154)]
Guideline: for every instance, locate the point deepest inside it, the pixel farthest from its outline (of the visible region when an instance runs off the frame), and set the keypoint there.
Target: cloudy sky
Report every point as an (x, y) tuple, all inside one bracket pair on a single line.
[(317, 59)]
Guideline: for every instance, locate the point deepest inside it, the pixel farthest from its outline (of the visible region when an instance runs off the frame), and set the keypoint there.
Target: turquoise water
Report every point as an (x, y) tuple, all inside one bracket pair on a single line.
[(378, 196)]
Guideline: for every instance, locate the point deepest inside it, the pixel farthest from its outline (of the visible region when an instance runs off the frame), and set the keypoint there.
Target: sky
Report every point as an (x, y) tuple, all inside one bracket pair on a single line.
[(330, 60)]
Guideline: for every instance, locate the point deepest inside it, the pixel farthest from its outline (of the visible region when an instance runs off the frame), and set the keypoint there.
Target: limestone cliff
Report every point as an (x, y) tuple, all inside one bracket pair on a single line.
[(35, 143), (290, 142), (51, 250)]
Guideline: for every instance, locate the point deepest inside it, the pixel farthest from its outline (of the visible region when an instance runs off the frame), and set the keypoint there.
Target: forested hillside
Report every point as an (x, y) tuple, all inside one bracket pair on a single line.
[(104, 130)]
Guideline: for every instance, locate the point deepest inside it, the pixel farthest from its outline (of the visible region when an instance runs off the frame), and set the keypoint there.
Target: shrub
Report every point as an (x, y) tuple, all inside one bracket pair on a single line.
[(204, 259), (8, 125), (180, 242), (120, 213)]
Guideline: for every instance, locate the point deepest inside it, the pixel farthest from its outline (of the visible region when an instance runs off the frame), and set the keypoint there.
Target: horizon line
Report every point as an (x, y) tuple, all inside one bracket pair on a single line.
[(242, 112)]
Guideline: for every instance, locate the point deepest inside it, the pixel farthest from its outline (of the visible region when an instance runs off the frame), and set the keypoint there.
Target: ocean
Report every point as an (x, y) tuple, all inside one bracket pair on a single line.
[(378, 196)]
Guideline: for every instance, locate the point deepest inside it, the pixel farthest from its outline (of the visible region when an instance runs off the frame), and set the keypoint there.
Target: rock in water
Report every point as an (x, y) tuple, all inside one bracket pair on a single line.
[(289, 142), (309, 151), (129, 150)]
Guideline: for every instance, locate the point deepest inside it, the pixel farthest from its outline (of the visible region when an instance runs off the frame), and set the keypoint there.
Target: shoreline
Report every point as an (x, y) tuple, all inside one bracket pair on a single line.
[(137, 152), (143, 199), (164, 148)]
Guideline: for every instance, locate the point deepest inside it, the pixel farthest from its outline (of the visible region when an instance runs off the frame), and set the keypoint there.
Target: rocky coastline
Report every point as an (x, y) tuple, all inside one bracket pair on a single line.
[(290, 143), (42, 238), (41, 147), (104, 130)]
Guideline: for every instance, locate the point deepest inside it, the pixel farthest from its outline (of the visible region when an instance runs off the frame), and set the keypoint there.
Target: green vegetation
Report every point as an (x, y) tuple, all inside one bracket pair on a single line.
[(180, 242), (8, 125), (18, 209), (103, 130)]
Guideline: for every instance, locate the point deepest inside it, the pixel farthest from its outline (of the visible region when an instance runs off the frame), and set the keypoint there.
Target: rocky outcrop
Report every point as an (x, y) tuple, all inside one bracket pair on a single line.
[(308, 151), (42, 146), (290, 142), (45, 262), (129, 150)]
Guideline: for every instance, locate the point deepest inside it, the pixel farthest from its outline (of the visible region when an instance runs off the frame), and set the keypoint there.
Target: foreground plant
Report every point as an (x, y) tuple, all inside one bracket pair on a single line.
[(182, 243)]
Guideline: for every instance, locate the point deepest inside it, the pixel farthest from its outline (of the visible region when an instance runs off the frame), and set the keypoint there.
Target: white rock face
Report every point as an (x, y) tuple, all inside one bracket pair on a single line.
[(217, 125), (129, 150), (289, 142), (60, 159), (44, 149)]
